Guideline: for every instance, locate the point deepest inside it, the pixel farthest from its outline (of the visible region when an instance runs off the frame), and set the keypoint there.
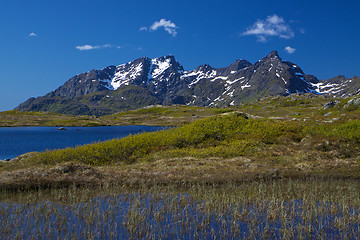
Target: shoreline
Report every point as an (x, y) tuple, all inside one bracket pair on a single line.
[(277, 138), (8, 157)]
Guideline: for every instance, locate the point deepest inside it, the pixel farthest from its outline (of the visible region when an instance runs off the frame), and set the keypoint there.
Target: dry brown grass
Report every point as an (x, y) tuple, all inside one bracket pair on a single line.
[(178, 171)]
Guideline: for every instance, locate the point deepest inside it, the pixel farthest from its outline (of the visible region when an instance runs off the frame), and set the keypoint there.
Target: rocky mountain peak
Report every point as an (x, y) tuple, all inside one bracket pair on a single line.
[(163, 67), (274, 55), (162, 80), (170, 62), (239, 64), (234, 68), (204, 68)]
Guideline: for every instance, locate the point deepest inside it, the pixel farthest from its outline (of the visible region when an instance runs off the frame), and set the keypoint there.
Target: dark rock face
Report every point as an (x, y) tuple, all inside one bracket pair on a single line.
[(311, 79), (163, 80), (84, 83), (236, 66)]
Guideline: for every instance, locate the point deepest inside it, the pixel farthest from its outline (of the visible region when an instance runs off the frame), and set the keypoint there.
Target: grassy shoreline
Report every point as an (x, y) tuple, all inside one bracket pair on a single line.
[(283, 137), (176, 115)]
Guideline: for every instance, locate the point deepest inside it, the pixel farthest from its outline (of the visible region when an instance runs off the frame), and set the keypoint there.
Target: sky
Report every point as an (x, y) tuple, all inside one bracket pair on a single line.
[(44, 43)]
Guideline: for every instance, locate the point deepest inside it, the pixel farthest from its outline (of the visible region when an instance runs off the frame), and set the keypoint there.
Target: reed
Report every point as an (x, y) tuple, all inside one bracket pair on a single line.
[(293, 209)]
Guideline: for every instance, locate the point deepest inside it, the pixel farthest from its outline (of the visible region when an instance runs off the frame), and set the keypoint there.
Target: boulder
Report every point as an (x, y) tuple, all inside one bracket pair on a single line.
[(354, 101), (330, 104)]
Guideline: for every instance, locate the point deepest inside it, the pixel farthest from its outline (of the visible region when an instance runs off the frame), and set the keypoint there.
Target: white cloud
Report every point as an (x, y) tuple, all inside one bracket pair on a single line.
[(168, 26), (272, 26), (32, 34), (290, 50), (87, 47), (302, 30), (261, 38)]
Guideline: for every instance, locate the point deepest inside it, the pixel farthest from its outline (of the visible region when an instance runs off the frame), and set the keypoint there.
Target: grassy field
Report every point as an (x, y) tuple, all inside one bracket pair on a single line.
[(152, 116), (15, 118), (221, 145), (293, 107), (281, 168)]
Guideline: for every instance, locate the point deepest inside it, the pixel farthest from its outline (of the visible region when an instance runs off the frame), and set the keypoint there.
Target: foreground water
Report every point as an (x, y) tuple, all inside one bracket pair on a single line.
[(163, 216), (19, 140)]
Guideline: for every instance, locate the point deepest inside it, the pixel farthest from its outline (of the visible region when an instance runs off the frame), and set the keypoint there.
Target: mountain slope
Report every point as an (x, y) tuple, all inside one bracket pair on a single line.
[(338, 86), (163, 80)]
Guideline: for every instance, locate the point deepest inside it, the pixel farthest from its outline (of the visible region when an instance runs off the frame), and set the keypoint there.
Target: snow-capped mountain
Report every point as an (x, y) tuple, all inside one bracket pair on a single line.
[(144, 72), (338, 86), (163, 80)]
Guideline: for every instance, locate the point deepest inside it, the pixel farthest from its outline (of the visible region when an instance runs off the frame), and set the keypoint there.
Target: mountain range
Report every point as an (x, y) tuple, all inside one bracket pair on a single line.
[(164, 81)]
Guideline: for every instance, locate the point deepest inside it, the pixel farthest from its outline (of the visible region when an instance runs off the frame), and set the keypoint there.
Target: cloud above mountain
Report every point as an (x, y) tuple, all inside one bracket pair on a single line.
[(290, 50), (87, 47), (32, 34), (167, 25), (272, 26)]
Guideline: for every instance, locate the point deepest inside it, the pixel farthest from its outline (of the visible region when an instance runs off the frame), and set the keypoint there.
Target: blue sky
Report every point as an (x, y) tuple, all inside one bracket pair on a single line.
[(43, 43)]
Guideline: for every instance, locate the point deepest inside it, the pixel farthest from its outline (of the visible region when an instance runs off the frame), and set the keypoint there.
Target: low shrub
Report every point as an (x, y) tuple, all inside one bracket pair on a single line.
[(221, 136)]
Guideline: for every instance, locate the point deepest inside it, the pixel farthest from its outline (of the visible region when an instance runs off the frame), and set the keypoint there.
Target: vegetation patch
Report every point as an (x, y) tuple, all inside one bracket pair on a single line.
[(255, 141), (272, 148), (284, 168), (212, 135)]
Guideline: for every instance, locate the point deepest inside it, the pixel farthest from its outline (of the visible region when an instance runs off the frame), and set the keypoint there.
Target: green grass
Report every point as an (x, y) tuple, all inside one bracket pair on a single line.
[(153, 115), (15, 118), (222, 136), (206, 134), (273, 137), (349, 130), (295, 106), (176, 115)]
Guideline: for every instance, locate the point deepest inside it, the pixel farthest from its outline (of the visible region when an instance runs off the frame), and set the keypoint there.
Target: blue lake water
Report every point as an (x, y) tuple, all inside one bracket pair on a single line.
[(15, 141)]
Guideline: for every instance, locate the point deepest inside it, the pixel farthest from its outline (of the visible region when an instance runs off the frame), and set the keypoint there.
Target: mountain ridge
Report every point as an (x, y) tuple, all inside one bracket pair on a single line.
[(163, 80)]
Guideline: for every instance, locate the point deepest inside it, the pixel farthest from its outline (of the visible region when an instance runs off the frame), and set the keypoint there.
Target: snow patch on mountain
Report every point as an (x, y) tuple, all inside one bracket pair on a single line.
[(219, 77), (124, 76), (159, 66), (329, 88), (245, 86), (231, 94), (199, 75), (234, 81)]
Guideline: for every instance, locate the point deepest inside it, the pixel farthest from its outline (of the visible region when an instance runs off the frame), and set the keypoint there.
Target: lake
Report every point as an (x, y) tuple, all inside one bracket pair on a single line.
[(15, 141)]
